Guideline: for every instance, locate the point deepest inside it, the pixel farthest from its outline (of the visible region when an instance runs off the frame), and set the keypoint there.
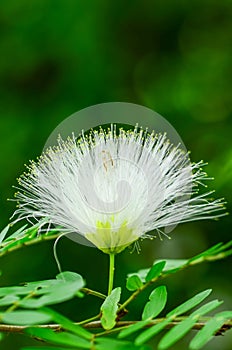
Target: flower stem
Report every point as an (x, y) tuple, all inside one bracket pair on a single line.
[(111, 272)]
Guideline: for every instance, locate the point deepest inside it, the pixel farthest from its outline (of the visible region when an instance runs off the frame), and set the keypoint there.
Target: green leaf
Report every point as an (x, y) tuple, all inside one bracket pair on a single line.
[(3, 233), (226, 315), (133, 328), (189, 304), (211, 251), (176, 333), (62, 338), (55, 291), (155, 271), (15, 290), (8, 300), (113, 344), (25, 317), (158, 299), (204, 309), (16, 234), (174, 265), (209, 330), (68, 276), (47, 348), (133, 283), (109, 309), (101, 344), (224, 247), (64, 287), (67, 324), (151, 332), (186, 325), (170, 266)]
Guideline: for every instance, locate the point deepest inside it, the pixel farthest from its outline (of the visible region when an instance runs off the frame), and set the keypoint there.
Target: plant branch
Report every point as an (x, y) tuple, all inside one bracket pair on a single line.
[(119, 326), (138, 291), (21, 243), (165, 274)]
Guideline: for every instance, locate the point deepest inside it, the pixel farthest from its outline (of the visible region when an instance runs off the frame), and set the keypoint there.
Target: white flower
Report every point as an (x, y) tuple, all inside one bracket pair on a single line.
[(114, 187)]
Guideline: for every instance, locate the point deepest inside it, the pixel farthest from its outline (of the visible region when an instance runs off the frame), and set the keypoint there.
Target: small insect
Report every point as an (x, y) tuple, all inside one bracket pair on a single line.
[(107, 159)]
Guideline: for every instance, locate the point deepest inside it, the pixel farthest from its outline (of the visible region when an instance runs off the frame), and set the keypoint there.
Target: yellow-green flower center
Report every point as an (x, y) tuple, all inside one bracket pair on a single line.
[(111, 240)]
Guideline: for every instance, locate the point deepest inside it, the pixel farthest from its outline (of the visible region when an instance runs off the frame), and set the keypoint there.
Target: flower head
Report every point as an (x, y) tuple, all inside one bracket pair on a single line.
[(113, 187)]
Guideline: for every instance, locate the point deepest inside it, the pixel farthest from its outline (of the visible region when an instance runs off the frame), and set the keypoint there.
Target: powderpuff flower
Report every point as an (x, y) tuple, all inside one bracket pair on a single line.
[(114, 187)]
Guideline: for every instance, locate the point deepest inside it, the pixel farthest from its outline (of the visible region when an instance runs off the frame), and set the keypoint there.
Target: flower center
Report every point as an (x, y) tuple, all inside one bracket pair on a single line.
[(112, 240)]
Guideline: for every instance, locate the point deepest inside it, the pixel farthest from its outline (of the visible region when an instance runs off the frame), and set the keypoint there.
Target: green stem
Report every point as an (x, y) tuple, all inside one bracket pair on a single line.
[(93, 292), (111, 273), (141, 289), (88, 320)]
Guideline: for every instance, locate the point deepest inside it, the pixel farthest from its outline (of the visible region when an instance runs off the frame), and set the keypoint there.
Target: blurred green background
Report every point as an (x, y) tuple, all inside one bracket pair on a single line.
[(57, 57)]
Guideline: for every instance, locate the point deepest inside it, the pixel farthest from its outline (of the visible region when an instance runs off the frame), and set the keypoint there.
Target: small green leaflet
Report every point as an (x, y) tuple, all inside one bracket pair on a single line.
[(181, 309), (209, 330), (113, 344), (48, 348), (185, 326), (158, 299), (133, 283), (26, 235), (17, 234), (8, 300), (64, 287), (176, 333), (23, 318), (109, 309), (101, 344), (151, 332), (3, 233), (155, 271), (218, 251), (67, 324), (133, 328), (161, 267), (189, 304), (210, 251), (204, 309), (63, 338)]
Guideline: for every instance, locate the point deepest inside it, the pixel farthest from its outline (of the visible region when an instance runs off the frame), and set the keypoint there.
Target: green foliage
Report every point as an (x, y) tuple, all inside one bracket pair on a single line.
[(133, 328), (186, 325), (109, 309), (68, 325), (58, 57), (35, 295), (133, 282), (217, 252), (155, 271), (209, 330), (3, 233), (189, 304), (26, 306), (63, 338), (26, 236), (23, 318), (158, 299)]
